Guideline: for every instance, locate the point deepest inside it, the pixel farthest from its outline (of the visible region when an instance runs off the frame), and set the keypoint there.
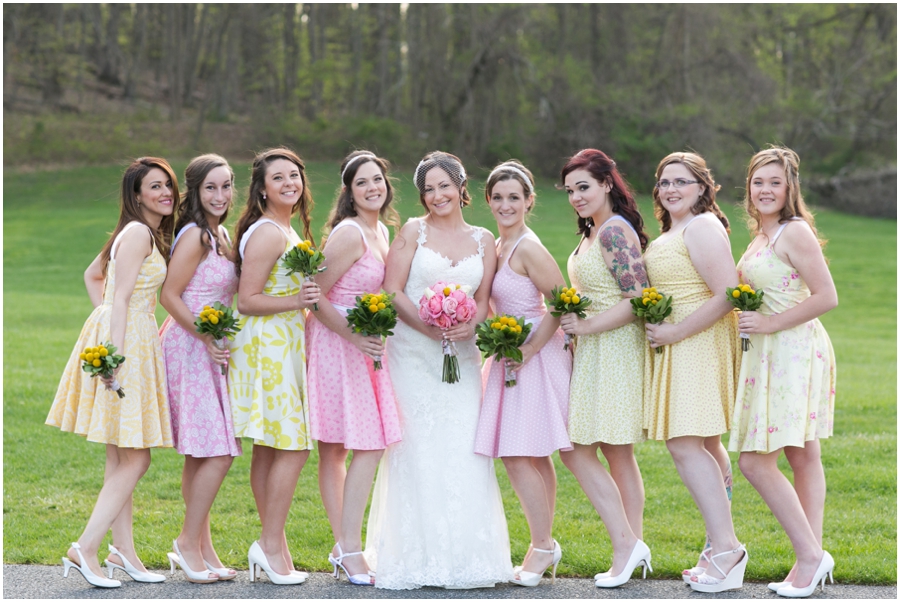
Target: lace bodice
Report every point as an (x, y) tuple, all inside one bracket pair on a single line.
[(429, 266)]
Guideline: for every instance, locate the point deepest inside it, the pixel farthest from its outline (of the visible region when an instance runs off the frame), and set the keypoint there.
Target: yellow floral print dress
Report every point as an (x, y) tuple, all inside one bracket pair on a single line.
[(84, 406), (689, 388), (267, 368)]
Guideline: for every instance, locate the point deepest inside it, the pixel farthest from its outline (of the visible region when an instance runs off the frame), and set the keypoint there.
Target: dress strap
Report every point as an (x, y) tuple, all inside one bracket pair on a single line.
[(128, 226), (782, 227), (225, 233), (422, 237), (384, 231), (618, 217), (182, 231), (252, 229), (478, 235), (515, 245), (350, 222)]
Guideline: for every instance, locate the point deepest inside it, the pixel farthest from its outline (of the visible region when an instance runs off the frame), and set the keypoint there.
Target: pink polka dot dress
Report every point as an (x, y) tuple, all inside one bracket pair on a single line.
[(530, 418), (349, 401)]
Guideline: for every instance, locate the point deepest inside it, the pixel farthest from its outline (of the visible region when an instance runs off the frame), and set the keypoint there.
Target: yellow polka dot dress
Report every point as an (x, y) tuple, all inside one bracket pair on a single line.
[(267, 368), (689, 388)]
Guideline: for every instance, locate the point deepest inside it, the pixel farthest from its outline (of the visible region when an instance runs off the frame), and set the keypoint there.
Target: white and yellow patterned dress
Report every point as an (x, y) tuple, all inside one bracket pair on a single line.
[(84, 406), (267, 368)]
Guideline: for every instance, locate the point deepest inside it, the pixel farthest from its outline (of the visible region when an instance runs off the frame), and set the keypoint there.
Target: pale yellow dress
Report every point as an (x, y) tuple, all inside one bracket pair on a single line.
[(690, 387), (267, 368), (605, 395), (84, 406)]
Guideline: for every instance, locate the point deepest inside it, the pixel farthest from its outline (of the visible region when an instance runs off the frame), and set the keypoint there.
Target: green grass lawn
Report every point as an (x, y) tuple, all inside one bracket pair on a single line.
[(56, 222)]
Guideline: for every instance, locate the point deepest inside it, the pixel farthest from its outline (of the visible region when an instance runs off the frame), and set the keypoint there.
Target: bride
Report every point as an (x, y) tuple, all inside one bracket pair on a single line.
[(437, 517)]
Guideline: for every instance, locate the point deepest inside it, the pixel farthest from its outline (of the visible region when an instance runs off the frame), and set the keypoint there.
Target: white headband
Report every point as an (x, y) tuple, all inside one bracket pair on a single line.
[(462, 171), (350, 162), (504, 167)]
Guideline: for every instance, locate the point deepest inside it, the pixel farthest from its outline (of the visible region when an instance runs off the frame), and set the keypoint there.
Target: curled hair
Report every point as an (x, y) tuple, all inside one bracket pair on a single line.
[(130, 209), (451, 165), (343, 206), (510, 170), (695, 164), (794, 206), (256, 204), (192, 209), (603, 169)]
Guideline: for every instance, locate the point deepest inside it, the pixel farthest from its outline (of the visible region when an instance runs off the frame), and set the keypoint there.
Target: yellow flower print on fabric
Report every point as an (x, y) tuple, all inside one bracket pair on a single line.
[(271, 373)]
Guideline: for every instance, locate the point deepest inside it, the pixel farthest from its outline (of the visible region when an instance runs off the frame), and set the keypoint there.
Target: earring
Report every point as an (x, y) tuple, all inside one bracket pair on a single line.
[(264, 196)]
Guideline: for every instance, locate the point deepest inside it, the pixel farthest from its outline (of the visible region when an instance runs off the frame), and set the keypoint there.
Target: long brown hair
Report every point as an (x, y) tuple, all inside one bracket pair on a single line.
[(191, 207), (794, 205), (604, 170), (130, 209), (343, 206), (695, 164), (256, 204)]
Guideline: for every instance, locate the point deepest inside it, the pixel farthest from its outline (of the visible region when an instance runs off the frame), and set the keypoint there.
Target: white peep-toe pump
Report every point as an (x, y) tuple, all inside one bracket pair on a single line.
[(257, 560), (189, 574), (133, 572), (86, 572), (640, 555), (528, 579)]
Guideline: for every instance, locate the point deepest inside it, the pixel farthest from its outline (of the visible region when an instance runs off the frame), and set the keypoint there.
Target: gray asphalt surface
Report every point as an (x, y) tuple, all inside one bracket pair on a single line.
[(37, 581)]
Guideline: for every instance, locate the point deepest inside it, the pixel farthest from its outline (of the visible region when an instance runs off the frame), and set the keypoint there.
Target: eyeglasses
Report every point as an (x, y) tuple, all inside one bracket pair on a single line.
[(679, 183)]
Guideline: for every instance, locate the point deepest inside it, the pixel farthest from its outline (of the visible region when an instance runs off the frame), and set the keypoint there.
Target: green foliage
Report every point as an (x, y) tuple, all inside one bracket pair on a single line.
[(501, 337), (746, 299), (51, 479), (567, 301), (373, 323)]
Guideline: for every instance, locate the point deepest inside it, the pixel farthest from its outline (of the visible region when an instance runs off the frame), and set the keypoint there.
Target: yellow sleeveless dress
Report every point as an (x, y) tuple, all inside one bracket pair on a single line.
[(689, 388), (85, 407), (267, 369), (608, 372)]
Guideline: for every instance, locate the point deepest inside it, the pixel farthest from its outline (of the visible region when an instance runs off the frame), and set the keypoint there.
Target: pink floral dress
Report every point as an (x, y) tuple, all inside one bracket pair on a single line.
[(349, 401), (786, 387), (198, 391)]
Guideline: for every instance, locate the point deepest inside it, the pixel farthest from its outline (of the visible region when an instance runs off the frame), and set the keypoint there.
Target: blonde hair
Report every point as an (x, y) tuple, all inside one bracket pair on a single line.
[(794, 206), (695, 164)]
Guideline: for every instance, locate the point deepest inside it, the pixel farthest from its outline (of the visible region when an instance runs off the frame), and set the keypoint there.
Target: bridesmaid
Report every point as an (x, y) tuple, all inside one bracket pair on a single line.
[(790, 408), (122, 283), (525, 424), (351, 406), (606, 389), (267, 371), (689, 388), (200, 273)]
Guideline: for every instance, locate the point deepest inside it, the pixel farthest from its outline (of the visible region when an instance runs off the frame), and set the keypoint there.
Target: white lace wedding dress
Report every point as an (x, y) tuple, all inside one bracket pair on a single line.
[(437, 517)]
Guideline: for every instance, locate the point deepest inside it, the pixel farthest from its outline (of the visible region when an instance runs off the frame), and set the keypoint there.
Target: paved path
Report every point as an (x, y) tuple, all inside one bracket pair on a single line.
[(37, 581)]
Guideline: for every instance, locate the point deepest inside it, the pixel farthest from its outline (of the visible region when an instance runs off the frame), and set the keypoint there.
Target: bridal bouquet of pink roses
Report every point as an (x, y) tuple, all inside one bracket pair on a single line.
[(446, 305)]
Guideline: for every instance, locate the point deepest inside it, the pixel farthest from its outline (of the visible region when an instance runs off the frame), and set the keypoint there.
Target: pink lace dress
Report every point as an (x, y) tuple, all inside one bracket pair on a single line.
[(530, 418), (349, 401), (198, 393)]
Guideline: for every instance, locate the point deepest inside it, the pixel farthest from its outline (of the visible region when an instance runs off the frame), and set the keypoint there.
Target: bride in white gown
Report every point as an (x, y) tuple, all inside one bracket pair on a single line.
[(437, 518)]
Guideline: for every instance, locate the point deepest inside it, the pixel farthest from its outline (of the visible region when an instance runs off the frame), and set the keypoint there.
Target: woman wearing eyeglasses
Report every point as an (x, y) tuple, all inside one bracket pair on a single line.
[(689, 388)]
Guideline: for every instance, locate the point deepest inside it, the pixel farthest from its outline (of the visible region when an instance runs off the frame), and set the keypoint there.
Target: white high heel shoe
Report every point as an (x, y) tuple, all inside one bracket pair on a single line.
[(640, 555), (528, 579), (338, 563), (777, 585), (86, 572), (256, 558), (133, 572), (826, 569), (189, 574), (733, 580)]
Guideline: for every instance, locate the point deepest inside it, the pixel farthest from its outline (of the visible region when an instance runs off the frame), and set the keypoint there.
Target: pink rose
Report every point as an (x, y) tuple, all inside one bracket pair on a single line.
[(435, 306), (458, 296), (466, 311), (439, 287), (443, 322), (449, 305), (423, 313)]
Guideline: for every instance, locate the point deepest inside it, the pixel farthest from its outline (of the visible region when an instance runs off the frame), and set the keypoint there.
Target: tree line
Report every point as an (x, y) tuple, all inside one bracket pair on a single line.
[(488, 81)]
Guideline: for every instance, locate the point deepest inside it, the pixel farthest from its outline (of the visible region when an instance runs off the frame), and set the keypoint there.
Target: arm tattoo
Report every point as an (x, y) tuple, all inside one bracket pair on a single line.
[(627, 269)]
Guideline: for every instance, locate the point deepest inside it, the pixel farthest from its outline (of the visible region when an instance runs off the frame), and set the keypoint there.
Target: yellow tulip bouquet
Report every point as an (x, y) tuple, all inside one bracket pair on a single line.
[(219, 321), (306, 259), (501, 337), (373, 314), (568, 301), (652, 306), (745, 298), (102, 361)]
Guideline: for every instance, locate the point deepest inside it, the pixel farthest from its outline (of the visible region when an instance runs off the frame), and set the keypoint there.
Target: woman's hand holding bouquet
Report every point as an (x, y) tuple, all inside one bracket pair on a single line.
[(446, 305)]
